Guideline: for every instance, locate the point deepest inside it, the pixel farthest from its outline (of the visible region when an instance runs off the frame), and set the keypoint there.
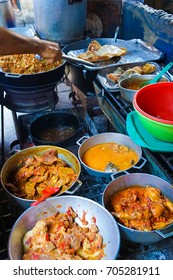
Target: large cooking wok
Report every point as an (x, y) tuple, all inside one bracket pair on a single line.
[(29, 93), (23, 81), (11, 165), (107, 225)]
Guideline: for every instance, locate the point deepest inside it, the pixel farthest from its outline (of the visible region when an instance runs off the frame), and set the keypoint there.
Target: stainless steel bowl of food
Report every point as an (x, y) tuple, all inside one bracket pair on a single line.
[(129, 85), (142, 204), (35, 173), (105, 154), (92, 218)]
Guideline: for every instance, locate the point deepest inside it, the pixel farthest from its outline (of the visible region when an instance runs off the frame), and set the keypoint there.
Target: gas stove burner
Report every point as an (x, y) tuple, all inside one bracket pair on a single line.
[(31, 100)]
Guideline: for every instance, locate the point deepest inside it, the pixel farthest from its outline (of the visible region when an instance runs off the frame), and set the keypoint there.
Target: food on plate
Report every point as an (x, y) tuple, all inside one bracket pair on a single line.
[(38, 174), (104, 155), (60, 237), (96, 52), (115, 76), (25, 64), (142, 208)]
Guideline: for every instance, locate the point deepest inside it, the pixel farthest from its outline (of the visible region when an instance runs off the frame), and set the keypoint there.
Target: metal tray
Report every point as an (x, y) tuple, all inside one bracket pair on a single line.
[(114, 87), (137, 51)]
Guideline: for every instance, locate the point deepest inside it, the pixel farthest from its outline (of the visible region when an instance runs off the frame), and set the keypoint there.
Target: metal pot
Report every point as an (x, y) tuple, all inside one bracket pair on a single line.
[(126, 85), (106, 138), (141, 179), (31, 92), (57, 129), (52, 19), (81, 205), (11, 165)]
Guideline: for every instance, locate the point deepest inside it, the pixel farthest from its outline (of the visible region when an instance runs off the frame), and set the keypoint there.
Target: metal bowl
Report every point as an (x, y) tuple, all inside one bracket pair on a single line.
[(142, 179), (106, 138), (107, 225), (130, 85), (11, 164)]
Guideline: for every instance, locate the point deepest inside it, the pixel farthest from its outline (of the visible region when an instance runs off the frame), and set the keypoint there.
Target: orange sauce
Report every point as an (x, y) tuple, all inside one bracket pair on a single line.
[(141, 208), (98, 156)]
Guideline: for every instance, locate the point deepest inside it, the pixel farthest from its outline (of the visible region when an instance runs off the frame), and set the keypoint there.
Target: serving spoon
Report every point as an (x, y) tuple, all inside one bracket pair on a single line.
[(155, 79), (111, 167), (46, 193)]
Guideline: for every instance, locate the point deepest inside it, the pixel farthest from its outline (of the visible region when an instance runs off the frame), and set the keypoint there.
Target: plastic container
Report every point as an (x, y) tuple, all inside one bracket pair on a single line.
[(154, 106)]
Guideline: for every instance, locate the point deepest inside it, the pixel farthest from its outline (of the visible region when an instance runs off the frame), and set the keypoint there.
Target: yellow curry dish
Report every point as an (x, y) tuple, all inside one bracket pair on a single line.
[(141, 208), (103, 155), (60, 237)]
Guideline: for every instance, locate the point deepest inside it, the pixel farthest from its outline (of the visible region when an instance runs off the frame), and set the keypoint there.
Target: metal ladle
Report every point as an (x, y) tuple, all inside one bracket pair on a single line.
[(162, 72), (116, 34), (111, 167)]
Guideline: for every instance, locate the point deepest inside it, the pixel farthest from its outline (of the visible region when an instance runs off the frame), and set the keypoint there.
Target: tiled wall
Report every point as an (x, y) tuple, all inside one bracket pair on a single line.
[(150, 25)]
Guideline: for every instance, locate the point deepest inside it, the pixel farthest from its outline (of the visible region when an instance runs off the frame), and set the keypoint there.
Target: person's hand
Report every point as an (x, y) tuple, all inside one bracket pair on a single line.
[(13, 43), (49, 50)]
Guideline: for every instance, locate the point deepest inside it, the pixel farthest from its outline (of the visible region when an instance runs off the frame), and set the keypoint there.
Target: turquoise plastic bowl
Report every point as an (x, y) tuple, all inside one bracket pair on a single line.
[(154, 106)]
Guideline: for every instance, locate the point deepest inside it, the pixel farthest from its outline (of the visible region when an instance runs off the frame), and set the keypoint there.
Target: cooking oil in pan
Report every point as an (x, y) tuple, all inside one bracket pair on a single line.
[(59, 133)]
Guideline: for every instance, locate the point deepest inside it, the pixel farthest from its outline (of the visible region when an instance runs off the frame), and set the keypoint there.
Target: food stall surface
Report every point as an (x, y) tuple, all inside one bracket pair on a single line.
[(91, 188)]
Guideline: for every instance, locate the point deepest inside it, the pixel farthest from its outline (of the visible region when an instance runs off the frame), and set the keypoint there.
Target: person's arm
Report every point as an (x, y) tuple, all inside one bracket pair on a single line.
[(13, 43)]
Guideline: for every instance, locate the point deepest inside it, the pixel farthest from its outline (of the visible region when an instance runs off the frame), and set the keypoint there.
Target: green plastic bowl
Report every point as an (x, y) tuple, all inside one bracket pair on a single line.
[(154, 106), (161, 131)]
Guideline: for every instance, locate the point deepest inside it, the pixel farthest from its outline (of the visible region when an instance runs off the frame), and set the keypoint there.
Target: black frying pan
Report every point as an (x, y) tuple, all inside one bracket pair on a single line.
[(57, 129)]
